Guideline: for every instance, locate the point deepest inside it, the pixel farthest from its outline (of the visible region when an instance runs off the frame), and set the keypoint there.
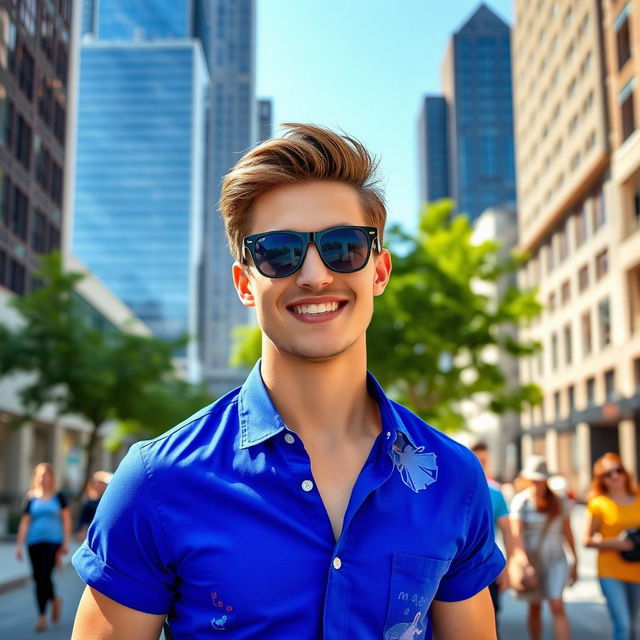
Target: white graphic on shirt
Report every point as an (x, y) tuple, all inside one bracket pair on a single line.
[(417, 469), (403, 630), (219, 622)]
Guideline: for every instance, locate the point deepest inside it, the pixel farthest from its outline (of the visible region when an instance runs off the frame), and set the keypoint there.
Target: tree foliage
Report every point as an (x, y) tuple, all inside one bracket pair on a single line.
[(433, 328), (86, 370)]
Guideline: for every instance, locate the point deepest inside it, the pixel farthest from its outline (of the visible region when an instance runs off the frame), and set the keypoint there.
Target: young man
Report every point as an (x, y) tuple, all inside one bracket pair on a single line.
[(501, 521), (305, 504)]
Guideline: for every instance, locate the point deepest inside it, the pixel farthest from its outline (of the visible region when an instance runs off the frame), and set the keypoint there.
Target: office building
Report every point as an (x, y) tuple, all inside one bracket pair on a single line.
[(476, 83), (578, 162), (265, 119), (229, 30), (140, 175), (433, 149), (34, 61)]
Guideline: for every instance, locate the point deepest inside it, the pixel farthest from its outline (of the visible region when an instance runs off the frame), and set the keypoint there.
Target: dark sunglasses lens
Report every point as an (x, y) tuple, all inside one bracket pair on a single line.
[(612, 472), (278, 254), (345, 250)]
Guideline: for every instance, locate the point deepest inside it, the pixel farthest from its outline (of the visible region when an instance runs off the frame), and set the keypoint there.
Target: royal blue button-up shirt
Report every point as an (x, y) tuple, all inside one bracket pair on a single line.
[(218, 524)]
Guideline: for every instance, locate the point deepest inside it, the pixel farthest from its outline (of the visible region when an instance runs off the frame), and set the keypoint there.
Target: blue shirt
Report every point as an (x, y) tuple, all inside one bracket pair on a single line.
[(46, 519), (218, 524), (498, 503)]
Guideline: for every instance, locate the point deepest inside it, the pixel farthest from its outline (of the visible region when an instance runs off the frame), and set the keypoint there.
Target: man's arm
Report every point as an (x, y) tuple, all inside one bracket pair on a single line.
[(470, 619), (101, 618), (507, 538)]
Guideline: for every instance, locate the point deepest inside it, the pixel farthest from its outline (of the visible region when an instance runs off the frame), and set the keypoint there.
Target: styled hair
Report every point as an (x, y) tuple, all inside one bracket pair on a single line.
[(546, 502), (305, 153), (597, 484), (480, 445)]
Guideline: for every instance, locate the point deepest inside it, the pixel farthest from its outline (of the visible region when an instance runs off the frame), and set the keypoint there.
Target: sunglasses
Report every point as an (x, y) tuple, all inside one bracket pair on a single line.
[(278, 254), (612, 472)]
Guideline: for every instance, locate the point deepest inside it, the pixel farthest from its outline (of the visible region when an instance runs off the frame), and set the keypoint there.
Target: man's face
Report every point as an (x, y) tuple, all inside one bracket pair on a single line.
[(287, 308)]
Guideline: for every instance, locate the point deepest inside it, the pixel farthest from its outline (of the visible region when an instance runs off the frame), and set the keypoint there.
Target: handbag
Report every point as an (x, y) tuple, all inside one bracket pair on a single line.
[(522, 571), (633, 555)]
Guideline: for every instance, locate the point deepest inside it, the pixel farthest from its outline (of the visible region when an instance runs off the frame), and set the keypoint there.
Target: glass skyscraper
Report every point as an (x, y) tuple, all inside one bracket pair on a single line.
[(476, 83), (434, 149), (140, 178)]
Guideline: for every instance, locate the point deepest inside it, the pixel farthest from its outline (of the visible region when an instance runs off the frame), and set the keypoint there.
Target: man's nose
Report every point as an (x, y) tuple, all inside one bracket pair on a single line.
[(314, 272)]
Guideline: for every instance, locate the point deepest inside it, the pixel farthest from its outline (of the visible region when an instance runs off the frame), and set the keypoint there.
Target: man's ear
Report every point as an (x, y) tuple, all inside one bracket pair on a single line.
[(242, 284), (382, 272)]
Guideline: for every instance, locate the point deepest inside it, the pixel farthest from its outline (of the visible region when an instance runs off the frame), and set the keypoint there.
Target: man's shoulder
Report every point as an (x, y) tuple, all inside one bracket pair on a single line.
[(203, 428)]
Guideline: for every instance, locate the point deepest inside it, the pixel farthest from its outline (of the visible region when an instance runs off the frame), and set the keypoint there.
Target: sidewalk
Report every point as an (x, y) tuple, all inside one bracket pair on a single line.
[(13, 573)]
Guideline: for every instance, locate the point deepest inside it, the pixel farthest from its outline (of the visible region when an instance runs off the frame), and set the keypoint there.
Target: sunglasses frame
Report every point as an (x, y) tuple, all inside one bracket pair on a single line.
[(307, 237), (619, 471)]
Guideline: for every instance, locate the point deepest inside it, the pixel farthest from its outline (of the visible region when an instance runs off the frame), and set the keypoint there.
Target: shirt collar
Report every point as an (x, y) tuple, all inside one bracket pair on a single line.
[(260, 421)]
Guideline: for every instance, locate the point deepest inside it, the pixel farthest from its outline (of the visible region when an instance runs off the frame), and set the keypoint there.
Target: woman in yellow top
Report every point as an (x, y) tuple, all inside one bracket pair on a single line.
[(614, 505)]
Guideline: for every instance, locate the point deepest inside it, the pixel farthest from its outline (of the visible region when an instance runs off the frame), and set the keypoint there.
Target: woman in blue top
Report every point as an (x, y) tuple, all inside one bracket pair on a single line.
[(46, 527)]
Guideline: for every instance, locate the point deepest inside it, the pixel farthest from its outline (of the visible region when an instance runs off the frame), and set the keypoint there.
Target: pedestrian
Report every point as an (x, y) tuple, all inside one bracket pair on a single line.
[(95, 489), (500, 521), (304, 504), (45, 525), (613, 508), (541, 526)]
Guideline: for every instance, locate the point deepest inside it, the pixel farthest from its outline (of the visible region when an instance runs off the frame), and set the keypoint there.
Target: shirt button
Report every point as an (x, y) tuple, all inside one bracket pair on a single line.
[(307, 485), (289, 439), (337, 563)]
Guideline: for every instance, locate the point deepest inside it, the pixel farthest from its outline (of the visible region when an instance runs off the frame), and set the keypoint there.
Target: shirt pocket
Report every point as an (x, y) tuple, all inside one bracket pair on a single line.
[(414, 582)]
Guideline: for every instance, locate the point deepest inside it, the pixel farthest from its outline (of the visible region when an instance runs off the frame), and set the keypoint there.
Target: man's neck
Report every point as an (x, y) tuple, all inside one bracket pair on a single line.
[(325, 403)]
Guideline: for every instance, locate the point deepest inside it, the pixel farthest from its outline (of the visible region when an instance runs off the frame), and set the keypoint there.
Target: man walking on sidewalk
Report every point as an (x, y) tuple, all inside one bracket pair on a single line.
[(305, 504)]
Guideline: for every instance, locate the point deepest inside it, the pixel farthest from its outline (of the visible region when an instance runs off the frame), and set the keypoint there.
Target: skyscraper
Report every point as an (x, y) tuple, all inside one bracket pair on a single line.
[(229, 31), (34, 59), (575, 69), (476, 83), (434, 149), (140, 177), (265, 119)]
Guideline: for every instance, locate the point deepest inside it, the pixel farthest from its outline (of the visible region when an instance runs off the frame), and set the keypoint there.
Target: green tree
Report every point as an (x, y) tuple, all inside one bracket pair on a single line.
[(95, 373), (431, 329)]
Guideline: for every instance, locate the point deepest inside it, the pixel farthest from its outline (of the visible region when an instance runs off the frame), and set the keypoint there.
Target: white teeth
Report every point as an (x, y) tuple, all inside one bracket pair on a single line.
[(323, 307)]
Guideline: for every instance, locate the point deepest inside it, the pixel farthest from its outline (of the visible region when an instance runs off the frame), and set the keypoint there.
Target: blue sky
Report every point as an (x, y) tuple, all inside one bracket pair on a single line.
[(362, 66)]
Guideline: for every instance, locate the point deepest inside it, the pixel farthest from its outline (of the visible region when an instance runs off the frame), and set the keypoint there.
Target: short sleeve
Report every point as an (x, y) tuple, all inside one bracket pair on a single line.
[(27, 506), (126, 555), (62, 499), (595, 508), (499, 504), (478, 561)]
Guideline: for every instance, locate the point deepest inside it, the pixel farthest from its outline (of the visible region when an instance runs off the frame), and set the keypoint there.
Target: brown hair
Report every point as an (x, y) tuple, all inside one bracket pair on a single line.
[(305, 153), (548, 502), (597, 484)]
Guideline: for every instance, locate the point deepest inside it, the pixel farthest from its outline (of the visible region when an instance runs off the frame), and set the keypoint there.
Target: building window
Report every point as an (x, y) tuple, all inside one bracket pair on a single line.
[(599, 211), (550, 256), (581, 226), (17, 277), (7, 39), (604, 320), (27, 10), (563, 243), (19, 212), (554, 352), (636, 373), (25, 70), (587, 336), (625, 100), (610, 385), (591, 392), (551, 305), (23, 142), (61, 62), (571, 398), (556, 405), (568, 346), (565, 292), (6, 118), (583, 278), (623, 37), (59, 122), (602, 264), (38, 232)]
